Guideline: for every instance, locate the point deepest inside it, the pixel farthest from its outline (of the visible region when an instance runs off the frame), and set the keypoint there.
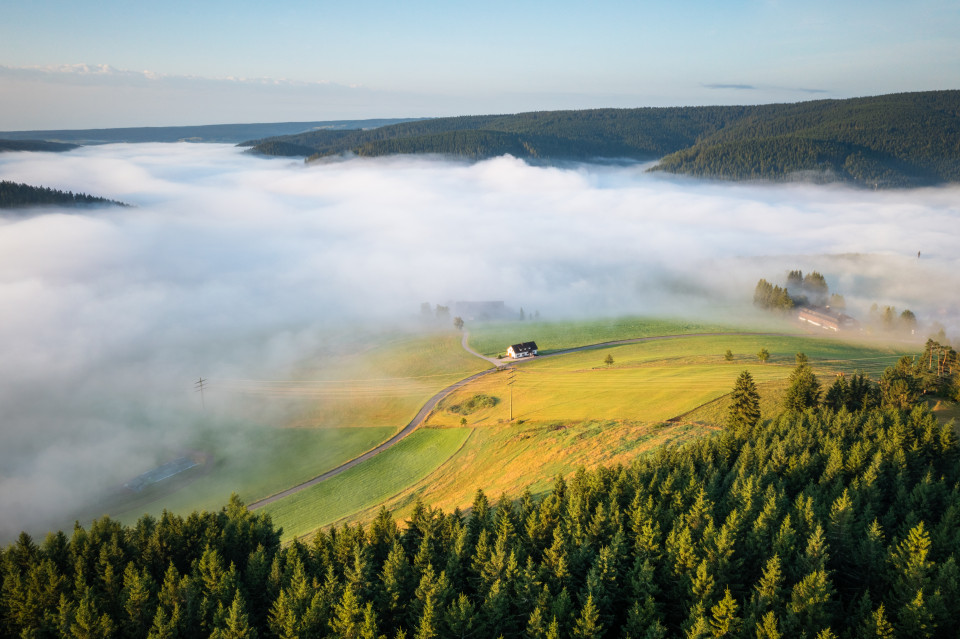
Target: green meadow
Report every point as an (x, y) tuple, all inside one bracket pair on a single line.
[(492, 339), (655, 380), (335, 407), (575, 410), (568, 411), (367, 485), (257, 463)]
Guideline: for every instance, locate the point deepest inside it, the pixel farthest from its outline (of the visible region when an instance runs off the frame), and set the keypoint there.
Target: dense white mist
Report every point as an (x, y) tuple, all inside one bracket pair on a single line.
[(232, 265)]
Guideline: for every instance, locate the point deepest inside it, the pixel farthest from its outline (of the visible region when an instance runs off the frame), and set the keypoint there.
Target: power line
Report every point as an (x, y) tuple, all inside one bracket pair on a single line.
[(198, 386)]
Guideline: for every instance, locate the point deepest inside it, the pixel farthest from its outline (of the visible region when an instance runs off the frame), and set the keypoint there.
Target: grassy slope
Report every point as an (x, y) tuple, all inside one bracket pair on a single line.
[(350, 402), (573, 410), (284, 457), (367, 485), (494, 338), (508, 458), (653, 381), (384, 385)]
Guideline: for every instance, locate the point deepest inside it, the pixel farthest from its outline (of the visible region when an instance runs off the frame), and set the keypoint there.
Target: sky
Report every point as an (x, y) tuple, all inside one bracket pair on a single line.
[(67, 64), (235, 266)]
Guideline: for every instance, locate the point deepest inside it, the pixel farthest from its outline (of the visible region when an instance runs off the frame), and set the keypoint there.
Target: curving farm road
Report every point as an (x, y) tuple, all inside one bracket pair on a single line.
[(433, 401)]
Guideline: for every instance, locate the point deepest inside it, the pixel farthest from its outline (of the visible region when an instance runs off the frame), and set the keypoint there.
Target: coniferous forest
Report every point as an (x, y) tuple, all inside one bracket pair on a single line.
[(34, 145), (898, 140), (17, 195), (839, 519)]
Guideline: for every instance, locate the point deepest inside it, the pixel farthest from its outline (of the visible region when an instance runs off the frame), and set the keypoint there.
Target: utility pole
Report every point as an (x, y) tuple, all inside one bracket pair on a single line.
[(198, 388), (510, 380)]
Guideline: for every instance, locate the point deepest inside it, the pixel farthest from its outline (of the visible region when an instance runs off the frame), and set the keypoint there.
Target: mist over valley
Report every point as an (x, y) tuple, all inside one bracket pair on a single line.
[(235, 267)]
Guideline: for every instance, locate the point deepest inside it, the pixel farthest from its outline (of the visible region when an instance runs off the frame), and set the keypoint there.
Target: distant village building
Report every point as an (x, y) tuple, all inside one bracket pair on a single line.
[(482, 311), (827, 320), (525, 349), (160, 473)]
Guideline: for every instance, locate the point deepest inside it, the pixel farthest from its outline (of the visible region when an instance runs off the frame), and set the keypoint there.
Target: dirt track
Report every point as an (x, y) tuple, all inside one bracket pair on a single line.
[(433, 401)]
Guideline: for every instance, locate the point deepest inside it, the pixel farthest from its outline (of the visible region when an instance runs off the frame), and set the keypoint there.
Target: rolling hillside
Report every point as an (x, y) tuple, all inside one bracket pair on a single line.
[(897, 140)]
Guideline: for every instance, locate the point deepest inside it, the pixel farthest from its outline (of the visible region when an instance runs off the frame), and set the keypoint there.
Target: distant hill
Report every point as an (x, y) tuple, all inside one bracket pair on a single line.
[(897, 140), (34, 145), (14, 195), (223, 133)]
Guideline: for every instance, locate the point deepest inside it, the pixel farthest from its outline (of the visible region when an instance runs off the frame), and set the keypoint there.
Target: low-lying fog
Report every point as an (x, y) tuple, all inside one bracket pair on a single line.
[(232, 265)]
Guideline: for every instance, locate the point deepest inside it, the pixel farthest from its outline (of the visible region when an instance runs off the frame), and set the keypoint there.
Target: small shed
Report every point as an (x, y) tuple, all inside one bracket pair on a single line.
[(524, 349)]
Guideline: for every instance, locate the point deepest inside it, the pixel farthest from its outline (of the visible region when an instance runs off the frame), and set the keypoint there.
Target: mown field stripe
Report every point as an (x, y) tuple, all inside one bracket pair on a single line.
[(369, 485)]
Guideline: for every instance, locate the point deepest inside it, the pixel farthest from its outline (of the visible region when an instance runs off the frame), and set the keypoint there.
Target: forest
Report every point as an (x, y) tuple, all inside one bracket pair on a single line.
[(839, 517), (898, 140), (34, 145), (16, 195)]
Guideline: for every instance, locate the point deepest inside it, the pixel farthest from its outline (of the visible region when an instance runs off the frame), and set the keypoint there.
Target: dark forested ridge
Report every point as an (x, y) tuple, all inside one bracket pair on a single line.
[(835, 521), (34, 145), (905, 139), (15, 195)]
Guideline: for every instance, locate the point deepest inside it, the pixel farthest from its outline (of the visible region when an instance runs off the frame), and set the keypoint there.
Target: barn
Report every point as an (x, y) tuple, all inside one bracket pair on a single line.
[(827, 320), (524, 349)]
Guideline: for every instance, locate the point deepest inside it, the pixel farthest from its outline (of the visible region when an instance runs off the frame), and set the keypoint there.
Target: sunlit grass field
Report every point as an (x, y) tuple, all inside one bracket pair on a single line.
[(655, 380), (492, 339), (509, 458), (568, 411), (575, 410), (369, 484), (382, 382)]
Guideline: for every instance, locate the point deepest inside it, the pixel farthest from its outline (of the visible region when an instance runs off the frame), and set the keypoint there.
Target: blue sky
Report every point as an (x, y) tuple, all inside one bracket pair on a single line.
[(84, 64)]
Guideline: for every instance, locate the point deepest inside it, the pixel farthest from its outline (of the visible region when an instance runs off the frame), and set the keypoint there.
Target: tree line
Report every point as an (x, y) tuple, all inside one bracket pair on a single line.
[(821, 522), (35, 145), (17, 195), (897, 140), (801, 290)]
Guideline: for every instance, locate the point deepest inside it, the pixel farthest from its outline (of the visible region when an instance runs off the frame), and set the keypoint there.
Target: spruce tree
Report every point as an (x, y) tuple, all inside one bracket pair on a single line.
[(744, 403), (804, 390)]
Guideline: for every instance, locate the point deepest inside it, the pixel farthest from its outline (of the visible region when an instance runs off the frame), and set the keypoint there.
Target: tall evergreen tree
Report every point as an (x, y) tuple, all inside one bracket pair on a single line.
[(744, 409), (803, 391)]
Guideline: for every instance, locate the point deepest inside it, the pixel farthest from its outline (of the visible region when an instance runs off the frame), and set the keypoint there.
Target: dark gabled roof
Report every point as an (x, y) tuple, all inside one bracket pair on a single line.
[(524, 346)]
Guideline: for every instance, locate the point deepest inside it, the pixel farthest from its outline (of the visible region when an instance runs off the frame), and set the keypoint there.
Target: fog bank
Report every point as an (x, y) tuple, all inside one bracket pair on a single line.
[(232, 265)]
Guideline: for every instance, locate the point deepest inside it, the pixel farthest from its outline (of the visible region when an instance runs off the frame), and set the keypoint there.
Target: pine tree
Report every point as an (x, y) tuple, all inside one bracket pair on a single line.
[(88, 622), (744, 409), (768, 627), (838, 395), (137, 601), (460, 617), (236, 625), (804, 390), (723, 616), (915, 618), (588, 624), (163, 626), (347, 620), (877, 626)]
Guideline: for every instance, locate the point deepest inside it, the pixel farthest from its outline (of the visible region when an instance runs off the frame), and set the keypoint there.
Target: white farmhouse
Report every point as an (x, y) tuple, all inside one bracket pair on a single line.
[(525, 349)]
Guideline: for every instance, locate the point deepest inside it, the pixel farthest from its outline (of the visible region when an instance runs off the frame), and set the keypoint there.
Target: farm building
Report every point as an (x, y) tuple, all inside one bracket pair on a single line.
[(482, 311), (525, 349), (160, 473), (827, 320)]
